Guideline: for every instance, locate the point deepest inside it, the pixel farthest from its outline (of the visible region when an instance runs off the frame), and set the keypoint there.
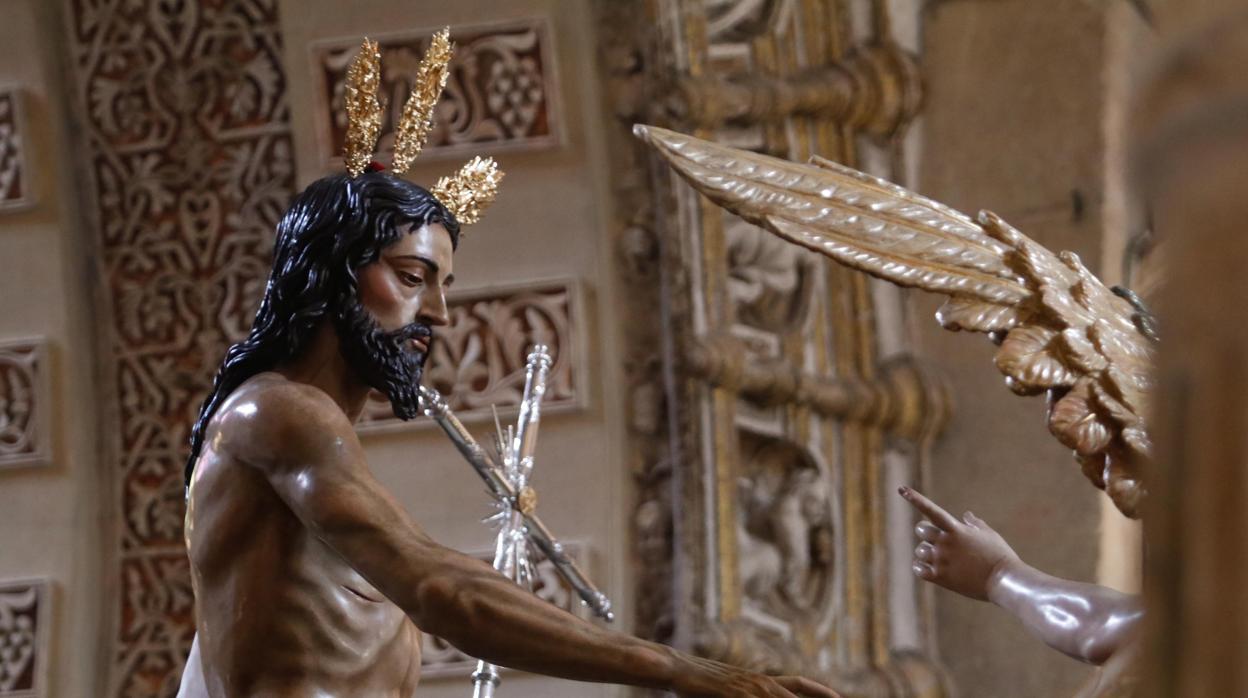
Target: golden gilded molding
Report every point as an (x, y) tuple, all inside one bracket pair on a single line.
[(877, 90), (905, 399)]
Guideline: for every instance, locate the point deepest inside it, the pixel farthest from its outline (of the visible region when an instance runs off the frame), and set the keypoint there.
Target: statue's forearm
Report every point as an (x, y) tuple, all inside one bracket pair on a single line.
[(481, 612), (1084, 621), (489, 617), (460, 598)]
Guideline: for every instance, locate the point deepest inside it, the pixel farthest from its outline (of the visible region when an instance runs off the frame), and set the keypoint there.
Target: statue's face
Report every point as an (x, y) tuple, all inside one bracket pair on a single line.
[(385, 334), (408, 282)]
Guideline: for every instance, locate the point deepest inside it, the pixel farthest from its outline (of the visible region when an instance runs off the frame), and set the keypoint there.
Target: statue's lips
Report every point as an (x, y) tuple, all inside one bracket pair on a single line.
[(419, 344)]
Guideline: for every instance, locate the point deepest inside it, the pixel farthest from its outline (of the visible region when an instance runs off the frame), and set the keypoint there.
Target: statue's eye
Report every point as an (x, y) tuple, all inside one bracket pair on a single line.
[(410, 279)]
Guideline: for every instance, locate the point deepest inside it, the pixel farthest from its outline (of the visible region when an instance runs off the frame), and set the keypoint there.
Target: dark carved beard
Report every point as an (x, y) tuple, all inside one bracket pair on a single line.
[(384, 360)]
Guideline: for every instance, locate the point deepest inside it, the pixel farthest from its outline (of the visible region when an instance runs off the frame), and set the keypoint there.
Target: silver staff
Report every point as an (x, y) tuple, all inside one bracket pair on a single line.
[(518, 524)]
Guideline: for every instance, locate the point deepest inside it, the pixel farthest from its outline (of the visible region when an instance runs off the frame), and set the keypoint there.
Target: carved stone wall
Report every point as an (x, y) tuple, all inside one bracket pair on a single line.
[(25, 404), (25, 627), (501, 94), (15, 180), (186, 128), (762, 401)]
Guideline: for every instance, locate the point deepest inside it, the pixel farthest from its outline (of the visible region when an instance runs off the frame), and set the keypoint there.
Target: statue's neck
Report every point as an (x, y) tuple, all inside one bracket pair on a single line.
[(321, 364)]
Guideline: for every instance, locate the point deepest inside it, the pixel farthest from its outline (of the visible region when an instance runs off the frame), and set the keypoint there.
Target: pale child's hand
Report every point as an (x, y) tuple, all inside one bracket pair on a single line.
[(961, 556)]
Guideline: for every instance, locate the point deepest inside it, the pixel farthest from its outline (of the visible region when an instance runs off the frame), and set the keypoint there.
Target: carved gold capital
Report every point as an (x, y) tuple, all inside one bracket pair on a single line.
[(906, 398), (876, 90)]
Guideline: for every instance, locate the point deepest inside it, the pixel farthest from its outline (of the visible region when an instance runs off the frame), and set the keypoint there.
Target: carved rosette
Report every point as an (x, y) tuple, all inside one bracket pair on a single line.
[(186, 126), (501, 95), (25, 627), (761, 401), (478, 361), (15, 179), (25, 404)]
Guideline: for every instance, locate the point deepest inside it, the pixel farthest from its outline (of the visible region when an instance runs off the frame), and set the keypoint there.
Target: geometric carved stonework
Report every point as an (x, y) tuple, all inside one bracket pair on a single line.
[(14, 168), (25, 618), (185, 123), (501, 93), (438, 658), (478, 361), (25, 437)]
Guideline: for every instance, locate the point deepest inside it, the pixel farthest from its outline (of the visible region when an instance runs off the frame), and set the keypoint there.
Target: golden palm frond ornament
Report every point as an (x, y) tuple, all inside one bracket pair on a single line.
[(467, 193), (1061, 332)]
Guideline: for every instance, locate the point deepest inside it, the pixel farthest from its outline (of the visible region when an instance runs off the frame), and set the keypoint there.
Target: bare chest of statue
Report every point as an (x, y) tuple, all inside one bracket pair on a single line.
[(279, 613)]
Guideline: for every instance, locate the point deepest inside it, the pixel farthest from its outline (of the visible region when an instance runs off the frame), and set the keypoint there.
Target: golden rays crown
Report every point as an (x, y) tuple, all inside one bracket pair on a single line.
[(468, 192)]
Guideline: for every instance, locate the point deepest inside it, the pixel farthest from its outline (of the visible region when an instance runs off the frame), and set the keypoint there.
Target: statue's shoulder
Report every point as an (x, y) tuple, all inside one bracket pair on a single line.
[(270, 418)]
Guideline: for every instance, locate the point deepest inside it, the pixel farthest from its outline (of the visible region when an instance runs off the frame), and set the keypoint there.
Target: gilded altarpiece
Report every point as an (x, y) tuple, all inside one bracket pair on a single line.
[(766, 409)]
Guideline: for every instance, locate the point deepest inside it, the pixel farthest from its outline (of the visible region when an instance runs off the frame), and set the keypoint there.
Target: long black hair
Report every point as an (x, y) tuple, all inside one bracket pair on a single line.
[(335, 226)]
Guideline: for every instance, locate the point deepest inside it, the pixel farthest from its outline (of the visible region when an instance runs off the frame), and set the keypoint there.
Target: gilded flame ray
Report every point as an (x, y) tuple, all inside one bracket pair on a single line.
[(470, 190), (417, 119), (363, 109)]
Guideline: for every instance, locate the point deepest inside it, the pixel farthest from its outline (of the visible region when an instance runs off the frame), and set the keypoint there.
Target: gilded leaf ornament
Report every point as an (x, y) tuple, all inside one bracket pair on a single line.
[(1060, 330)]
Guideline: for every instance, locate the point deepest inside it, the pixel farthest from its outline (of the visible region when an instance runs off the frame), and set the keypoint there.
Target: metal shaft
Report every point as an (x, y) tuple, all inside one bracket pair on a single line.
[(538, 366), (507, 483), (437, 409)]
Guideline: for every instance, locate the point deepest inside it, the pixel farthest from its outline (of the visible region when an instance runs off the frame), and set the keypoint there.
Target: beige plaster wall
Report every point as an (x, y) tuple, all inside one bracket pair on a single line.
[(550, 220), (49, 515), (1016, 99)]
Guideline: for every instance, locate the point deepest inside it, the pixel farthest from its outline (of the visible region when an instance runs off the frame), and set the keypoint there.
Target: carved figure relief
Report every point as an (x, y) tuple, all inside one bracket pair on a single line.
[(501, 92), (25, 437), (14, 173), (769, 282), (24, 626), (187, 130), (478, 361), (785, 528)]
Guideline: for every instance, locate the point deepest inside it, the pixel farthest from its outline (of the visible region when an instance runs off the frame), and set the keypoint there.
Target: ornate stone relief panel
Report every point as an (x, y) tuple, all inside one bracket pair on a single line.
[(502, 92), (760, 401), (439, 659), (478, 361), (25, 627), (785, 531), (25, 404), (189, 151), (15, 180)]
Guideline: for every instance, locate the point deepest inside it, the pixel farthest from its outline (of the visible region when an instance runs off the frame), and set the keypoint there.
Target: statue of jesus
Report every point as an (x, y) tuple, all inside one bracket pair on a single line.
[(309, 578)]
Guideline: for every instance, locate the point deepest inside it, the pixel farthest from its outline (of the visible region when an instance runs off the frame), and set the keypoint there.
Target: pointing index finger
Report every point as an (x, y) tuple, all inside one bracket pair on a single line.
[(928, 508)]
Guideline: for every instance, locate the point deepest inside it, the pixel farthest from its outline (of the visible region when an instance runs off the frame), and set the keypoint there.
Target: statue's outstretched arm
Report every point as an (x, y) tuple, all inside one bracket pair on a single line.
[(310, 454), (1084, 621)]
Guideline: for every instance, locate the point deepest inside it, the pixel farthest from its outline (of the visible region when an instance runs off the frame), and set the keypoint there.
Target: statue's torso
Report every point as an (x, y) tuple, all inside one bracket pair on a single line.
[(277, 611)]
